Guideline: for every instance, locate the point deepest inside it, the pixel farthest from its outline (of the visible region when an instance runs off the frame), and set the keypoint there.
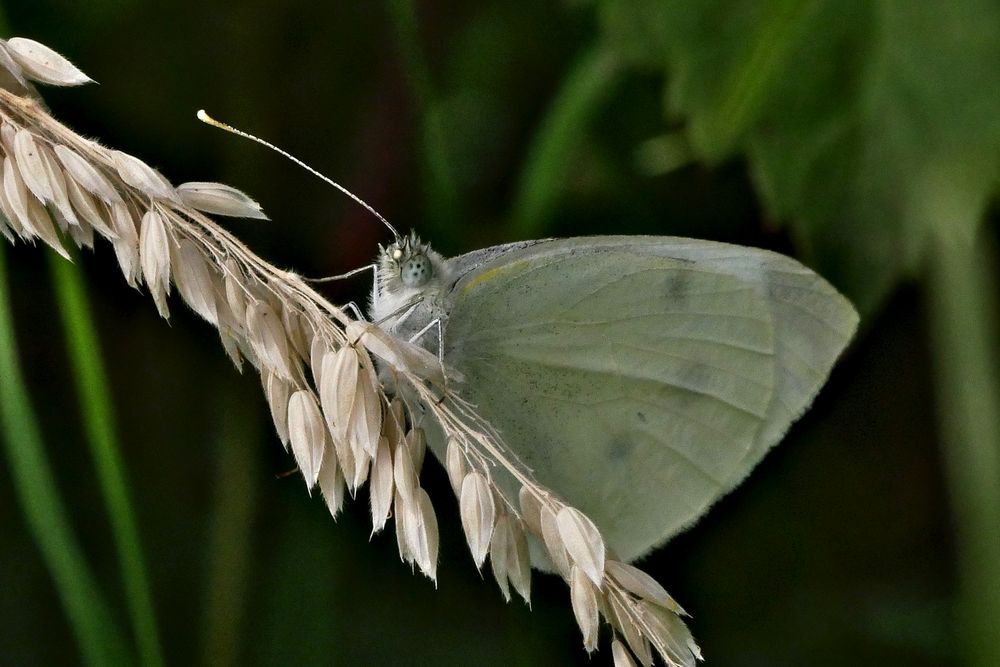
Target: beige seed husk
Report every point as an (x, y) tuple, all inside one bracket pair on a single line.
[(154, 258), (620, 654), (127, 244), (295, 331), (381, 489), (228, 320), (194, 280), (86, 174), (402, 514), (141, 176), (219, 199), (583, 596), (423, 534), (318, 348), (641, 585), (13, 228), (519, 561), (233, 280), (366, 414), (41, 225), (499, 551), (267, 338), (231, 345), (554, 542), (362, 468), (394, 425), (54, 175), (44, 65), (8, 63), (35, 220), (478, 513), (16, 194), (87, 210), (307, 434), (416, 442), (345, 456), (674, 642), (456, 465), (633, 636), (531, 510), (29, 162), (404, 474), (509, 557), (583, 542), (278, 392), (7, 133), (340, 385), (330, 395), (331, 483)]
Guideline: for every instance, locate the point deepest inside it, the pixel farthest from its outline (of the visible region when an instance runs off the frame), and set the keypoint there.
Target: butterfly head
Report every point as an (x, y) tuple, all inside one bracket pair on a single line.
[(408, 265)]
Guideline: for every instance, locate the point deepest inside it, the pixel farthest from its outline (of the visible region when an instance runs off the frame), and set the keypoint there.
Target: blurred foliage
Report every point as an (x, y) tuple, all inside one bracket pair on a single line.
[(860, 121), (860, 136)]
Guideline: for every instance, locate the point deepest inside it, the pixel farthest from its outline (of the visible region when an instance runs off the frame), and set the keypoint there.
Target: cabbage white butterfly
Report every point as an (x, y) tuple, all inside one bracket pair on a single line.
[(641, 377)]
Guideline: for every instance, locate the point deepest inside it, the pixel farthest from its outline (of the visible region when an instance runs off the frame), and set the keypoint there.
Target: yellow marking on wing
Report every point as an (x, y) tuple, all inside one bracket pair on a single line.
[(491, 274)]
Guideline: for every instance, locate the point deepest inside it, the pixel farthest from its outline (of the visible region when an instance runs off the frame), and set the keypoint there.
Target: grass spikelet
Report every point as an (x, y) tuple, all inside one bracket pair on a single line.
[(343, 422)]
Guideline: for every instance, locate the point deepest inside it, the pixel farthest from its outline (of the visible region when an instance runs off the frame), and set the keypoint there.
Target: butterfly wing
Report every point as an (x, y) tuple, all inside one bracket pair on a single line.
[(640, 377)]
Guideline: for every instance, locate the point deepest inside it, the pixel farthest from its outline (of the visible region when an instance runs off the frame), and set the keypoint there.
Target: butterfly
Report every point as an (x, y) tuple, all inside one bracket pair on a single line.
[(640, 377)]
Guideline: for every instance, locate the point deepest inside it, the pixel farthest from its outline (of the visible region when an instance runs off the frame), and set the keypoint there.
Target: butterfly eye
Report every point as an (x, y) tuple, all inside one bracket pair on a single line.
[(415, 271), (397, 253)]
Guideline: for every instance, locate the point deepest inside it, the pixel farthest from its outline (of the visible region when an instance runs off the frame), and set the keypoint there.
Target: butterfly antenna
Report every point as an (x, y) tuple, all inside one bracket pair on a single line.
[(205, 118)]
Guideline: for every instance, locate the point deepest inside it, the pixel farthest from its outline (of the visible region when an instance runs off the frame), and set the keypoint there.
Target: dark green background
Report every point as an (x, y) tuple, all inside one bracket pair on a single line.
[(838, 550)]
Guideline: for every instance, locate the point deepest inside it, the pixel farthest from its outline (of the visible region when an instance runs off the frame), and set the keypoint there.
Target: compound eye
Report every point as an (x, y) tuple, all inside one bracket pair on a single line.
[(416, 271)]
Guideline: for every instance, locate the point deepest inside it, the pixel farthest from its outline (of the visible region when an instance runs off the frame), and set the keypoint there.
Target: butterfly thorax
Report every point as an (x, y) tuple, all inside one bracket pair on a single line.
[(411, 281)]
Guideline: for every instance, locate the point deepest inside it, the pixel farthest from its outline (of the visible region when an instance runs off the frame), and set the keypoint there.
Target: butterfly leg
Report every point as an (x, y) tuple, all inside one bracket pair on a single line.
[(436, 322), (353, 307)]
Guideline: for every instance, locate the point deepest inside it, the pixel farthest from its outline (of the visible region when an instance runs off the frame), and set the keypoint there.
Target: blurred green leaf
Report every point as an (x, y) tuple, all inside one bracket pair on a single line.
[(636, 31), (854, 116)]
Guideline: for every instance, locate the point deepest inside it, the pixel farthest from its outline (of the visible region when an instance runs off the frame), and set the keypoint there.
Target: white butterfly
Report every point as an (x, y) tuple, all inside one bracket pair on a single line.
[(639, 377)]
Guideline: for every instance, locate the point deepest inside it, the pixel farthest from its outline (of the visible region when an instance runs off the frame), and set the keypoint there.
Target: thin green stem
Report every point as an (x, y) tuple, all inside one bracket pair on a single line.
[(96, 634), (441, 187), (99, 424), (585, 89), (966, 333), (230, 557)]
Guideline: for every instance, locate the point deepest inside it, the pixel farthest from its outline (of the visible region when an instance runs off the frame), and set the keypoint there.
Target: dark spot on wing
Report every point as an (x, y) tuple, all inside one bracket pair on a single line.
[(696, 375), (678, 286), (641, 417), (619, 449)]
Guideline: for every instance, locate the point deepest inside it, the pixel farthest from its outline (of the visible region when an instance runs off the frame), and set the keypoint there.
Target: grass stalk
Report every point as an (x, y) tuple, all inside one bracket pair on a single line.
[(96, 407), (966, 334), (230, 556), (96, 634)]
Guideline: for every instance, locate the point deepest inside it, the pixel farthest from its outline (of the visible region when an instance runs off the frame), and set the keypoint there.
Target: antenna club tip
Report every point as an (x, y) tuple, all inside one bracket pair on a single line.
[(205, 118)]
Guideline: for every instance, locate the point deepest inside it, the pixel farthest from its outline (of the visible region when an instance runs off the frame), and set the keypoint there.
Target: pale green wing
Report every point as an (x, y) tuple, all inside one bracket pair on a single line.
[(641, 377), (812, 321)]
